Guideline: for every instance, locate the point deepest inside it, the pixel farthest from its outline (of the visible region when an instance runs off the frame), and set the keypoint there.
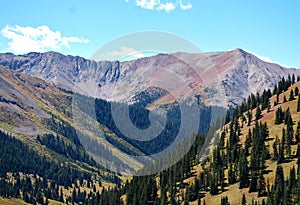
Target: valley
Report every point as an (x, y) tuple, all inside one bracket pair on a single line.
[(62, 163)]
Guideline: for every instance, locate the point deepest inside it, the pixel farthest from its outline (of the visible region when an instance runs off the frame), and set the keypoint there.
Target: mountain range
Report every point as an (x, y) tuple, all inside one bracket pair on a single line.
[(220, 78), (37, 90)]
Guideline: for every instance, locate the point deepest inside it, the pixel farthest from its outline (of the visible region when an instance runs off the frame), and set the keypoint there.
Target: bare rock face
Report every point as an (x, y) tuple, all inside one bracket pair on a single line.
[(18, 101), (225, 78)]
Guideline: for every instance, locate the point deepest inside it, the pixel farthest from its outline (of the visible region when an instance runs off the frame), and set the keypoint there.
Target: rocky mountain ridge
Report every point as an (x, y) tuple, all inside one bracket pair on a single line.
[(213, 76)]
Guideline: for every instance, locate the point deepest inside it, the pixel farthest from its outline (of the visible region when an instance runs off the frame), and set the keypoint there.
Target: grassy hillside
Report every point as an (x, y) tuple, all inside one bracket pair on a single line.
[(240, 165), (233, 192), (39, 141)]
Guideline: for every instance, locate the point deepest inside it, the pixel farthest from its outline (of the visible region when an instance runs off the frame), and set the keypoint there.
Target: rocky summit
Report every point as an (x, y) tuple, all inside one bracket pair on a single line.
[(220, 78)]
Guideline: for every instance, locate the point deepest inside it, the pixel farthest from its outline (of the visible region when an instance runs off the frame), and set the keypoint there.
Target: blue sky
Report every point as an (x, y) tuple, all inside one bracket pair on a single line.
[(267, 28)]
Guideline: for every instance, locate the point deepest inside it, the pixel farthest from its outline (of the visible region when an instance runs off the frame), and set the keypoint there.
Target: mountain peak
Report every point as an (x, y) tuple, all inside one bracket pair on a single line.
[(239, 51), (238, 72)]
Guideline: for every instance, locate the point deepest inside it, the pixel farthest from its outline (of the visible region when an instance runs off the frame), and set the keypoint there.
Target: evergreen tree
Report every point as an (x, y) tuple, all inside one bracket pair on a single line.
[(289, 81), (40, 198), (297, 134), (296, 91), (258, 113), (261, 186), (289, 135), (291, 95), (253, 184), (249, 116), (275, 148), (224, 201), (243, 170), (248, 142), (231, 174), (213, 185), (258, 154), (244, 201), (278, 187), (187, 197), (279, 116), (288, 116), (292, 186), (268, 105), (275, 90), (281, 157)]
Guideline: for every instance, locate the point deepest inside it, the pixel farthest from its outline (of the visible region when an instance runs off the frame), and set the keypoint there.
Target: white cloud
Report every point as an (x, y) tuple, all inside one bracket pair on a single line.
[(148, 4), (166, 5), (39, 39), (185, 6)]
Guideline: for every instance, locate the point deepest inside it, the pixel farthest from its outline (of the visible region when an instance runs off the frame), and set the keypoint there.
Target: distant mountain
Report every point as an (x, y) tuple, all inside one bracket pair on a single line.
[(39, 114), (213, 76)]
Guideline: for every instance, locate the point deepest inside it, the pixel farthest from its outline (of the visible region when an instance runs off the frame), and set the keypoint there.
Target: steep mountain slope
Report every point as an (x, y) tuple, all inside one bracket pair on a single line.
[(29, 107), (256, 161), (234, 74), (26, 104), (277, 137), (22, 99)]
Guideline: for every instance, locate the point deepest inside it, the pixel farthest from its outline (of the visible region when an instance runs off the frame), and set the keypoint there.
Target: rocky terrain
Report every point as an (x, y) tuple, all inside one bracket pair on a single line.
[(222, 78), (37, 108)]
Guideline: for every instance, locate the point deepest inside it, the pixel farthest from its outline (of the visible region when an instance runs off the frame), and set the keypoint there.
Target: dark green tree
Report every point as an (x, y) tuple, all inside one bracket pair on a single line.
[(249, 117), (291, 97), (243, 170), (281, 157), (278, 187), (296, 91), (224, 201), (275, 149), (279, 116), (261, 186), (244, 201), (258, 114)]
